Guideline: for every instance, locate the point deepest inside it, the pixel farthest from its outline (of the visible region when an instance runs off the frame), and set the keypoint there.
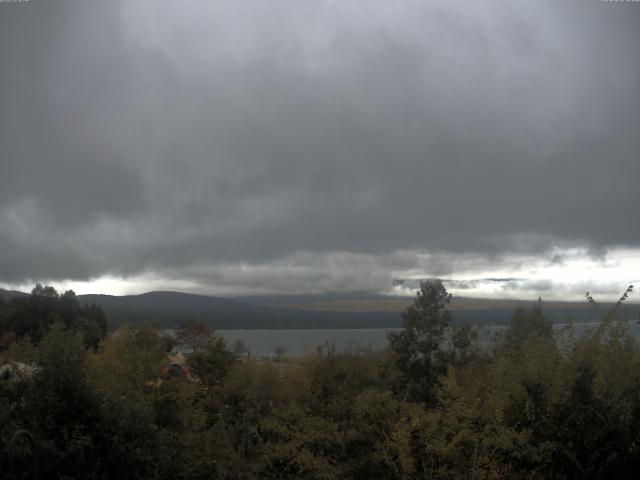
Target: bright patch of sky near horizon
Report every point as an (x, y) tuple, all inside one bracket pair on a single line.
[(566, 275)]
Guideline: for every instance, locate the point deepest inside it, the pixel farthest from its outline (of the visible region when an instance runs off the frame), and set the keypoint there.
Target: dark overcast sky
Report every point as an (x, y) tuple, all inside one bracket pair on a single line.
[(301, 145)]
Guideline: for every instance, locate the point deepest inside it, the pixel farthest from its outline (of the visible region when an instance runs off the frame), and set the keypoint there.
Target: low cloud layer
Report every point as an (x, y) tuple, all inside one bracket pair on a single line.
[(314, 146)]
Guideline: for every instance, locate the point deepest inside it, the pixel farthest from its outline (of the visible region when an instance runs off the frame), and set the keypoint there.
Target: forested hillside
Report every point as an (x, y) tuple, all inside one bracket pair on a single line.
[(531, 406)]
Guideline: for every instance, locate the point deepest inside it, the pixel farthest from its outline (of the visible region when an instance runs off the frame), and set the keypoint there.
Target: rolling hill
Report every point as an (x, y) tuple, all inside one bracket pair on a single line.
[(169, 308), (9, 294), (310, 311), (332, 311)]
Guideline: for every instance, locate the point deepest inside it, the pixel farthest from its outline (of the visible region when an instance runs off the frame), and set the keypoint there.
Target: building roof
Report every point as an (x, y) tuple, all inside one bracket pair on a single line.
[(177, 358)]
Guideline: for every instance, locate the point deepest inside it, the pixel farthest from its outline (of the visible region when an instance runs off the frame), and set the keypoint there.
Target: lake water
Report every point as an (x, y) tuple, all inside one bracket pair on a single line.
[(298, 342)]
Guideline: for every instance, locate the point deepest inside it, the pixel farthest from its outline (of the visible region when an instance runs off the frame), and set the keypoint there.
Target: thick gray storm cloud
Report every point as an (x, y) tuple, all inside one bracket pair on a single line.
[(331, 143)]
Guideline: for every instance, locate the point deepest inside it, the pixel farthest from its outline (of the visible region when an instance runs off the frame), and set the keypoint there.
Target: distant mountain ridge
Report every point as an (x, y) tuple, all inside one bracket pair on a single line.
[(333, 311), (358, 310), (170, 308), (9, 294)]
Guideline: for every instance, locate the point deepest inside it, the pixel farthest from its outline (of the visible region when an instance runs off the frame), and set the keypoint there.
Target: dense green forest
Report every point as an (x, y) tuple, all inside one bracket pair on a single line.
[(534, 405)]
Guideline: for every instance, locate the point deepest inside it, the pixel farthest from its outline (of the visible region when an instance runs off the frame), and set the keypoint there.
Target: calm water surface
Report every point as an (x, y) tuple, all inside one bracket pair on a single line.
[(298, 342)]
